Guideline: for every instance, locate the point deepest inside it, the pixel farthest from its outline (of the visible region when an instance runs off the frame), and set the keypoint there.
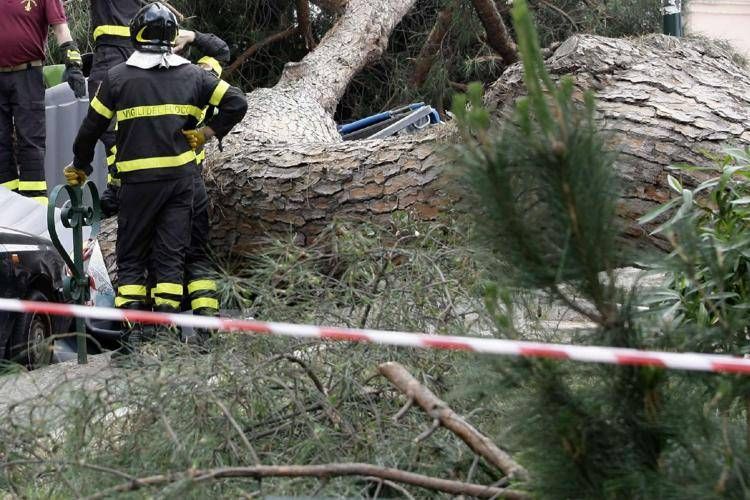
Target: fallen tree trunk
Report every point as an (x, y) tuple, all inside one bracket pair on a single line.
[(442, 413), (259, 190), (662, 100), (299, 108)]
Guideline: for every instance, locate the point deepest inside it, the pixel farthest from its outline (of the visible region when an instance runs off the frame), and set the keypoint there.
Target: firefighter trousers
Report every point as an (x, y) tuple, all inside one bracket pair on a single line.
[(153, 231), (201, 287), (22, 133)]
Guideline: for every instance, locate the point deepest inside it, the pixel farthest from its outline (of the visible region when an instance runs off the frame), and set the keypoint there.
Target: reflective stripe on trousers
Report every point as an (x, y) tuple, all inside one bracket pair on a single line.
[(203, 297)]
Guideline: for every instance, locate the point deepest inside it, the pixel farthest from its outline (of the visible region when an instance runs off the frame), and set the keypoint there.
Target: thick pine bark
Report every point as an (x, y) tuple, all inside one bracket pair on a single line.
[(662, 100), (263, 190), (260, 190)]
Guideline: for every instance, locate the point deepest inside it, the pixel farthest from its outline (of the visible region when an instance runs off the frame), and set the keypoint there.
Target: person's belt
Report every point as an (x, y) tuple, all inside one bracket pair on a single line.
[(21, 67)]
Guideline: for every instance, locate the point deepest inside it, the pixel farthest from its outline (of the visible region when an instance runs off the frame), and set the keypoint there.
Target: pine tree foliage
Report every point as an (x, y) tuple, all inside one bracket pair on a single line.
[(545, 183), (546, 189)]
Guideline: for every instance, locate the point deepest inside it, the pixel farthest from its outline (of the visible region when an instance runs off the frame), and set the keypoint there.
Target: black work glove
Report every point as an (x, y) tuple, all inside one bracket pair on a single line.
[(73, 73)]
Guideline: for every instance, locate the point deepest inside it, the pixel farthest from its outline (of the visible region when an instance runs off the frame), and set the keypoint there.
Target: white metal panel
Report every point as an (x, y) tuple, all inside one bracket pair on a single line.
[(64, 115)]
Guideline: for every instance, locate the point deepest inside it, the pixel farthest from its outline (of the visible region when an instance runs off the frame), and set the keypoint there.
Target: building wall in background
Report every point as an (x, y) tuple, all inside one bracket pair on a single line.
[(721, 19)]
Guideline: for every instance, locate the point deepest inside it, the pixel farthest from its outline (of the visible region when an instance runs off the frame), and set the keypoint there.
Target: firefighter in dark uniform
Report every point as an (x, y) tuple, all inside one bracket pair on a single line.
[(199, 283), (201, 287), (24, 26), (157, 98), (110, 20)]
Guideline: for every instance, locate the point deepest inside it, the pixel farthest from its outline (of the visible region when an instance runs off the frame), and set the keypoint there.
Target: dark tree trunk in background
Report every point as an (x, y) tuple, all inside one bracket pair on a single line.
[(431, 47), (498, 36)]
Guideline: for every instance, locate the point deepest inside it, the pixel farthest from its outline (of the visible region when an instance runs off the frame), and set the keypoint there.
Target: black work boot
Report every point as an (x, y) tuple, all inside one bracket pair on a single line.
[(131, 336), (130, 343), (166, 331), (202, 337), (200, 340)]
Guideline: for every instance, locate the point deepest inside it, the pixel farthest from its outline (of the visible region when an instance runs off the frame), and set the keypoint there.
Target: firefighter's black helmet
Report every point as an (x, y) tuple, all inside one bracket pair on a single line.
[(154, 29)]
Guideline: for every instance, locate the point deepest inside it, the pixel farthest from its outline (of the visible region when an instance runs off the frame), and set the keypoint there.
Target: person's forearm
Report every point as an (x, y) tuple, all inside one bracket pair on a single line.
[(232, 109), (62, 33), (91, 130)]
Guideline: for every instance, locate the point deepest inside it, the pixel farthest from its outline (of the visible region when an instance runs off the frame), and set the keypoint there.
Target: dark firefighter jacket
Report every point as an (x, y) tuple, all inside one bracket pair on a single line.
[(212, 46), (110, 20), (152, 107)]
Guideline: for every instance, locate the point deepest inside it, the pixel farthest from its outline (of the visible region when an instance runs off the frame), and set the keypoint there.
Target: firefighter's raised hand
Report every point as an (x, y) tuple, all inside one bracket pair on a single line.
[(76, 81), (73, 64), (195, 138), (74, 176)]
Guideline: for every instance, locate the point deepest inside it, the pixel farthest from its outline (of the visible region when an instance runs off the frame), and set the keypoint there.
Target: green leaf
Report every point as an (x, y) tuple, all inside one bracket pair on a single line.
[(740, 155), (709, 184), (745, 200), (674, 184), (459, 106), (655, 213)]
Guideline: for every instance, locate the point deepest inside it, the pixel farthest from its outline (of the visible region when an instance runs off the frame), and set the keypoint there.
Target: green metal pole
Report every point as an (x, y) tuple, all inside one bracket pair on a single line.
[(672, 17), (81, 294), (75, 215)]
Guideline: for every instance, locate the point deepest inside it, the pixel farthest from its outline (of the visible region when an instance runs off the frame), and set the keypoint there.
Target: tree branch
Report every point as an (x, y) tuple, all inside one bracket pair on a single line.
[(432, 46), (333, 6), (498, 36), (439, 410), (319, 471), (303, 23), (250, 52)]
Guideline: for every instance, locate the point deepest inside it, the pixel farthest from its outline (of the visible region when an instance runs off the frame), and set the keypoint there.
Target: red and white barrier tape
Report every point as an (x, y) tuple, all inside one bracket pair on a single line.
[(588, 354)]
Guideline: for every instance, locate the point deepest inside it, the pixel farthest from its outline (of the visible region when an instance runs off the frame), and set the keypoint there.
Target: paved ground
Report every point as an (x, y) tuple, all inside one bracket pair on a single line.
[(17, 389)]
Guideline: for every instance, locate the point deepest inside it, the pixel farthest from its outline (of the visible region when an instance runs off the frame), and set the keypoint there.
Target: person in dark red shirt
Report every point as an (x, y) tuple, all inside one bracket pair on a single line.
[(24, 25)]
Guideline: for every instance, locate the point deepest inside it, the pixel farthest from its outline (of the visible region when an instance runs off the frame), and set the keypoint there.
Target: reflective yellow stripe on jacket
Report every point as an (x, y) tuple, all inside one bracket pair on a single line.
[(219, 92), (122, 31), (159, 110), (156, 162), (100, 108)]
